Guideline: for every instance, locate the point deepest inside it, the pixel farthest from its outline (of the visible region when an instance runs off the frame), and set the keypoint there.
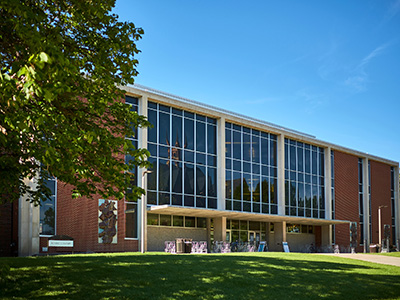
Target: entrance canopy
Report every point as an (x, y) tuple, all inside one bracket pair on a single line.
[(215, 213)]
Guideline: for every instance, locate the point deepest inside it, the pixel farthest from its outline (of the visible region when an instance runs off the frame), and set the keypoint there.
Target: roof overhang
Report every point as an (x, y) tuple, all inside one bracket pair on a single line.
[(215, 213)]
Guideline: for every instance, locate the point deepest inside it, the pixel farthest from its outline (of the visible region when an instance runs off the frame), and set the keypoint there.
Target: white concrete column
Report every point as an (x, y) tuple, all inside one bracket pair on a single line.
[(326, 236), (28, 224), (366, 203), (209, 246), (142, 143), (281, 174), (220, 229), (279, 236), (221, 164), (268, 233)]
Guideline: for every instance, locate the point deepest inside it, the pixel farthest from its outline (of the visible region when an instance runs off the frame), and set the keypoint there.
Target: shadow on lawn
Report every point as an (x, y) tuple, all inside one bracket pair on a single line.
[(198, 276)]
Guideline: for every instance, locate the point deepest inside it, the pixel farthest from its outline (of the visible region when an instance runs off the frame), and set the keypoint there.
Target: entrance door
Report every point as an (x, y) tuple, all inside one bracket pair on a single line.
[(252, 236), (254, 239), (228, 236)]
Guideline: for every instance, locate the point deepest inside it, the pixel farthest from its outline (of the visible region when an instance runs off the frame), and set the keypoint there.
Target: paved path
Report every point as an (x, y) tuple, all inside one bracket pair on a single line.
[(380, 259)]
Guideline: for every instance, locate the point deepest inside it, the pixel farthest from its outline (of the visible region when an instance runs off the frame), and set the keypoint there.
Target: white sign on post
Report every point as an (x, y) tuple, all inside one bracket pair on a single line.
[(61, 243), (261, 247), (285, 247)]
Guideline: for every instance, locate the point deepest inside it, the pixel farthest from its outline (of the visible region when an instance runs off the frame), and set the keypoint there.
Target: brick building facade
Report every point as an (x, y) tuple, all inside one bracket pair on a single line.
[(220, 176)]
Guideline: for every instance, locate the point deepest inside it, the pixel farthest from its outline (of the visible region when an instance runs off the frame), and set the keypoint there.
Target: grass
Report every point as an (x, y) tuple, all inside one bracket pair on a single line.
[(210, 276)]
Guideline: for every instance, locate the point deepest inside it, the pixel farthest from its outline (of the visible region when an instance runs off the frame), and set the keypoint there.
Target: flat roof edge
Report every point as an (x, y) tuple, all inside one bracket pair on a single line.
[(289, 133), (218, 109)]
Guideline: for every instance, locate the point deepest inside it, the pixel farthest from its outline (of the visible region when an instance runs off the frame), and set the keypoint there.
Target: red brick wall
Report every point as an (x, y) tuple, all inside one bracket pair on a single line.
[(9, 229), (78, 218), (380, 195), (346, 195)]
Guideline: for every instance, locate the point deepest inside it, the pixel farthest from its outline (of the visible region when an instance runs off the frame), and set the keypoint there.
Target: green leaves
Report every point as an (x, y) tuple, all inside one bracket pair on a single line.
[(61, 65)]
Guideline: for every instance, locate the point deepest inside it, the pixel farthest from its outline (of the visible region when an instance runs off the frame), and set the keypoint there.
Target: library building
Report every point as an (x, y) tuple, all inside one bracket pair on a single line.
[(221, 182)]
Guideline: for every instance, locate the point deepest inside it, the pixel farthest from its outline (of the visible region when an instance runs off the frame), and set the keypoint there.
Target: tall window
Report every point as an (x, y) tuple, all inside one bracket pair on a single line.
[(361, 199), (251, 170), (47, 225), (183, 147), (131, 207), (392, 185), (304, 180)]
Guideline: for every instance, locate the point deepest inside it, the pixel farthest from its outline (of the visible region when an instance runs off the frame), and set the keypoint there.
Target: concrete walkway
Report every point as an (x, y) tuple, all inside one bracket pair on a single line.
[(379, 259)]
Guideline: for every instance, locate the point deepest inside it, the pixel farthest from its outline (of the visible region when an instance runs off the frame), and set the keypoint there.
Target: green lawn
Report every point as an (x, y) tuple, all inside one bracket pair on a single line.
[(207, 276)]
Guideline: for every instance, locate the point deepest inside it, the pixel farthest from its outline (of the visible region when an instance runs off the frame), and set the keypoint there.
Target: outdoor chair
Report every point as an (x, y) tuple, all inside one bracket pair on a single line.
[(226, 247), (170, 247), (195, 247), (202, 247)]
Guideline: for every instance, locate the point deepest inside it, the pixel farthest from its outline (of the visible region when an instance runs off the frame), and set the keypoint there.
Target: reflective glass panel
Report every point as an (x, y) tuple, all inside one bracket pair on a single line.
[(212, 184), (211, 139), (201, 180), (246, 147), (164, 129), (152, 132), (177, 131), (189, 134), (237, 145), (200, 137), (164, 175), (246, 187), (189, 179), (237, 186), (177, 177)]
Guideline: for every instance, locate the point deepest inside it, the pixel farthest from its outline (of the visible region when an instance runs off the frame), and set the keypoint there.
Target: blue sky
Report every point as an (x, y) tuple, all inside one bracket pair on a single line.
[(326, 68)]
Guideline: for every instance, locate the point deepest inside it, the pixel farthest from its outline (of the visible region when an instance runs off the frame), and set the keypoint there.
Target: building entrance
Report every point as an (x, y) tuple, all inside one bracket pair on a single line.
[(254, 236)]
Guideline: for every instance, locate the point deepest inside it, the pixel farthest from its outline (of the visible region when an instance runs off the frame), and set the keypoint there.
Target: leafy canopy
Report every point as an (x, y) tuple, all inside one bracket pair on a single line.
[(62, 63)]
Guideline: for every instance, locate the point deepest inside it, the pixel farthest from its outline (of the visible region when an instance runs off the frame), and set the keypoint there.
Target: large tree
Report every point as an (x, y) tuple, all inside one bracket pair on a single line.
[(61, 113)]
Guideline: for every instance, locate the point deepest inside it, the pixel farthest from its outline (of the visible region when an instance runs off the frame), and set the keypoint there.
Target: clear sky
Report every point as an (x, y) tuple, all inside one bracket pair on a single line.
[(326, 68)]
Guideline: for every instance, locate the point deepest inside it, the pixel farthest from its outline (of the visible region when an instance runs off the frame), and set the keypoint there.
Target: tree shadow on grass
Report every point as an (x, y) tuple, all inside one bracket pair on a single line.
[(233, 276)]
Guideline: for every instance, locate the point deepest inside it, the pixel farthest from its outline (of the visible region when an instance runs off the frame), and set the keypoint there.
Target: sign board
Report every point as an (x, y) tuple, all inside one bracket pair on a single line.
[(261, 247), (61, 243), (285, 247)]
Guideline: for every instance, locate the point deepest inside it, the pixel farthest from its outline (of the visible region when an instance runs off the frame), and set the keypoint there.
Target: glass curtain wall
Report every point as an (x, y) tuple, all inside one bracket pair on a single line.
[(131, 207), (183, 153), (251, 170), (304, 180)]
